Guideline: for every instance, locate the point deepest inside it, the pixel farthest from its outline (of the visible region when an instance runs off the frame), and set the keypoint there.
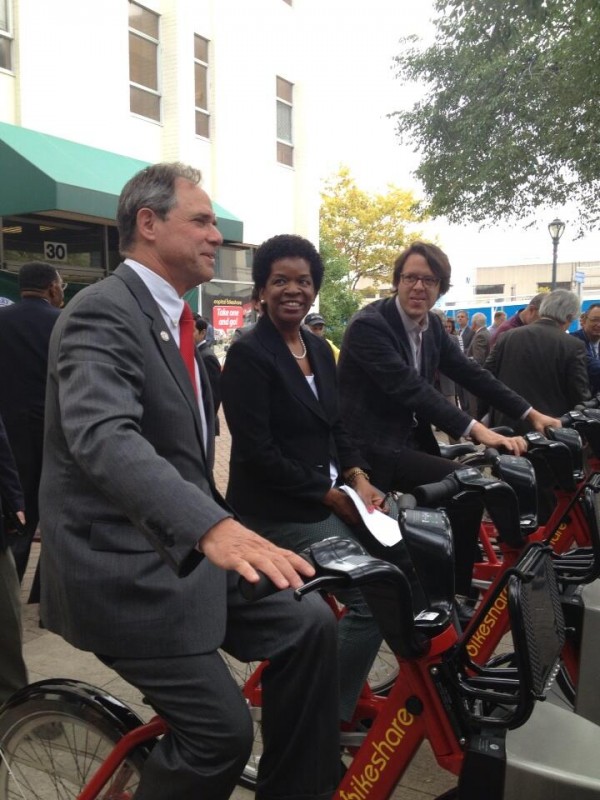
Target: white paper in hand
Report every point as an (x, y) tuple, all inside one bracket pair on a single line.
[(384, 528)]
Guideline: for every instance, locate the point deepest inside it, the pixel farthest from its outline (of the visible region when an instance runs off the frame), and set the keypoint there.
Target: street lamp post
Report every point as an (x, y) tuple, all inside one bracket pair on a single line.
[(556, 229)]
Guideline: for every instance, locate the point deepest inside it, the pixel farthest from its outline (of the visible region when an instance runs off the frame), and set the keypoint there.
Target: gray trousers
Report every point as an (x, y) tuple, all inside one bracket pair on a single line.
[(13, 673), (359, 636), (210, 727)]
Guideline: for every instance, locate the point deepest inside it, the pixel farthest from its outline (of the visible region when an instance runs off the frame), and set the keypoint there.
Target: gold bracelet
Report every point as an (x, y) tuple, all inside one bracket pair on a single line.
[(353, 475)]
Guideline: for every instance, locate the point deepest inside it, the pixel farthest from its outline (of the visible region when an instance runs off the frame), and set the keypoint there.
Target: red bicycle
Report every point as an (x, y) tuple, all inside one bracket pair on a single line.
[(65, 739)]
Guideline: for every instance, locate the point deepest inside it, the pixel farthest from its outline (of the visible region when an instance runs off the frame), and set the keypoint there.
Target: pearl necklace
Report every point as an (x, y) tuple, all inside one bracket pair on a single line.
[(300, 357)]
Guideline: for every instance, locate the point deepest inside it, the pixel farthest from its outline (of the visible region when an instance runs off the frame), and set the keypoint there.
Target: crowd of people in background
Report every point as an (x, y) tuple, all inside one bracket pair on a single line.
[(110, 407)]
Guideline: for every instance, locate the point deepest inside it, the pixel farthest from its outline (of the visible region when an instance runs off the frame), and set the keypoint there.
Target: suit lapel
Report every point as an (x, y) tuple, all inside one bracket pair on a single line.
[(167, 347), (290, 372)]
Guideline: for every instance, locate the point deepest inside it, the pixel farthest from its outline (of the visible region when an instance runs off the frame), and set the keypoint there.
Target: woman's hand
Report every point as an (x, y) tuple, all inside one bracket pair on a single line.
[(342, 506), (369, 494)]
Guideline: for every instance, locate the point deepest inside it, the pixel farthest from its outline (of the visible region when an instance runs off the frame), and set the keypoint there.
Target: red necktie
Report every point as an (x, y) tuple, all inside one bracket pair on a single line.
[(186, 343)]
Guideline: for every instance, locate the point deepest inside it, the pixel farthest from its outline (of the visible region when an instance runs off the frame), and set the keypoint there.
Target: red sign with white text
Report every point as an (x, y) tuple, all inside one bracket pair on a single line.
[(226, 318)]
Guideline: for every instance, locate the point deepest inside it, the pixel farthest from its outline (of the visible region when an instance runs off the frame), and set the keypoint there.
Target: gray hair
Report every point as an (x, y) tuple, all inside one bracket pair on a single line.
[(536, 301), (560, 305), (154, 188), (479, 320)]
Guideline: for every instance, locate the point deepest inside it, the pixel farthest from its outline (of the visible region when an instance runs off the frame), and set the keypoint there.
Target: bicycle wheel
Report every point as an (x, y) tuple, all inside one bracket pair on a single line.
[(52, 742)]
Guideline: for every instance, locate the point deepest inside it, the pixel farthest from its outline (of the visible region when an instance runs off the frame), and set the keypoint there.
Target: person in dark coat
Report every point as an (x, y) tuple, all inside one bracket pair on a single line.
[(589, 334), (25, 329), (391, 352), (13, 673), (542, 363), (211, 362), (289, 451)]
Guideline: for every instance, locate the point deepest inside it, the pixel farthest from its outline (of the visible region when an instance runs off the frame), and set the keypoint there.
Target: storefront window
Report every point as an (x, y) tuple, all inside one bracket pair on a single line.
[(82, 252)]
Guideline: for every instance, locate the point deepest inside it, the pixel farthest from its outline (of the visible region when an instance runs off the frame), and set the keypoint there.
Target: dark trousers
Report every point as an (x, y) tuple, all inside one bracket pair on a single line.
[(13, 673), (26, 438), (210, 728), (410, 469)]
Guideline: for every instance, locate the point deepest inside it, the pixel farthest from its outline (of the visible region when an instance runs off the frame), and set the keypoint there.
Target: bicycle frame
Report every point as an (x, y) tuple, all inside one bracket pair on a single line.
[(145, 733), (411, 713)]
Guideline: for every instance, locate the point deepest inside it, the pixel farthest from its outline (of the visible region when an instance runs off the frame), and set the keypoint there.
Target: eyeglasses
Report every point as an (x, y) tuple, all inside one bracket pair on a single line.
[(428, 281), (62, 285)]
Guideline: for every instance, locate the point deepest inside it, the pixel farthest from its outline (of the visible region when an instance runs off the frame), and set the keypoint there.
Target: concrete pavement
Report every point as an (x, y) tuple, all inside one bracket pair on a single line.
[(48, 656)]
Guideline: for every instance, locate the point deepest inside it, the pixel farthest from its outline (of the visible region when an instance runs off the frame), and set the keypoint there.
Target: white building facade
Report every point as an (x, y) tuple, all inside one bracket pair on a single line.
[(89, 91)]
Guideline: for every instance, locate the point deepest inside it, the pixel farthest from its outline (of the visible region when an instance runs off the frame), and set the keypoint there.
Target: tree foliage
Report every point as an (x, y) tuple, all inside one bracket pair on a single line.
[(368, 230), (337, 301), (511, 116)]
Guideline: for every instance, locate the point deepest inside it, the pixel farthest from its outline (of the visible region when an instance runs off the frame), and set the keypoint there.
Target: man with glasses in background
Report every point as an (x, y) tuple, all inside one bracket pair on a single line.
[(390, 354), (589, 333), (25, 329)]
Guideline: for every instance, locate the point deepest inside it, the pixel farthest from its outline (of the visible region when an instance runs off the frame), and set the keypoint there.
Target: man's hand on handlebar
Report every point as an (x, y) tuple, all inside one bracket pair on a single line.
[(230, 545), (542, 421), (512, 444)]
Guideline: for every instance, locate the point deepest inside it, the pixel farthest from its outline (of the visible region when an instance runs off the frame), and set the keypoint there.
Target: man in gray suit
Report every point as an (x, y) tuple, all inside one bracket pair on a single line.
[(141, 553)]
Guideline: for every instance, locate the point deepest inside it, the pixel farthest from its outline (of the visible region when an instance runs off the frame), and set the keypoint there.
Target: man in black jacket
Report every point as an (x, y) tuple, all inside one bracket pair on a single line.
[(212, 364), (13, 673), (389, 357), (25, 329)]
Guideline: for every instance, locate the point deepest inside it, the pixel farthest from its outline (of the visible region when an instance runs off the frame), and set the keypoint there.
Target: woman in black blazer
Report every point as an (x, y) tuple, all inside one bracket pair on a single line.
[(13, 674), (290, 451)]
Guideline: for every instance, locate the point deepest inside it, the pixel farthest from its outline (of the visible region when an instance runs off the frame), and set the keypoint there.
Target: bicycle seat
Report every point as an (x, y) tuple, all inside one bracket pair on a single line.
[(552, 462), (587, 424), (519, 474), (571, 438), (428, 538), (343, 563)]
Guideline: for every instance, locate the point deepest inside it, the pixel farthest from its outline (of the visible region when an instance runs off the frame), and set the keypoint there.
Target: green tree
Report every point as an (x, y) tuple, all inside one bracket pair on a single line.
[(369, 230), (511, 116), (337, 300)]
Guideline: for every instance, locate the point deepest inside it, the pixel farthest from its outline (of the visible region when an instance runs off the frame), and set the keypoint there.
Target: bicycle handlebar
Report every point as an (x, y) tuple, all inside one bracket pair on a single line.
[(438, 493)]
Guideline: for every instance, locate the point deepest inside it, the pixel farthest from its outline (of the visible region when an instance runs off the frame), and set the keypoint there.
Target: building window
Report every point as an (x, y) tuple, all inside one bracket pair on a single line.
[(201, 86), (489, 288), (285, 146), (144, 97), (5, 37)]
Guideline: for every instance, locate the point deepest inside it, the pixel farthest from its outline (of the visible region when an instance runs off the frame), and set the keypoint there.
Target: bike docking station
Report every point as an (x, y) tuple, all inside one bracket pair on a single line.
[(484, 698), (556, 752)]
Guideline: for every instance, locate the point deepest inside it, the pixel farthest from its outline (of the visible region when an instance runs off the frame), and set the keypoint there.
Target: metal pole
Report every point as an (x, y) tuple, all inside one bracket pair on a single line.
[(554, 260)]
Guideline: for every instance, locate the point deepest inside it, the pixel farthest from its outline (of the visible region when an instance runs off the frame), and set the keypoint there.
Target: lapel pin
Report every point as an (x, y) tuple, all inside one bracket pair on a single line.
[(164, 336)]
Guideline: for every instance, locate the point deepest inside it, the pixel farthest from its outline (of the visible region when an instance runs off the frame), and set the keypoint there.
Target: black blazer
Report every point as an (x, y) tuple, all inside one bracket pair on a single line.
[(11, 495), (545, 365), (25, 329), (213, 371), (283, 438), (386, 404)]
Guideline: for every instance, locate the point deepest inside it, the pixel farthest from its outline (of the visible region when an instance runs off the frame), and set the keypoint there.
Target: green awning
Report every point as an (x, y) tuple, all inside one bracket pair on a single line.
[(41, 173)]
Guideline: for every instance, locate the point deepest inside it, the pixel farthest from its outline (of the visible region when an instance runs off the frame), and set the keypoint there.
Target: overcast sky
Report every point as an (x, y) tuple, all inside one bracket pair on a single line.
[(353, 52)]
